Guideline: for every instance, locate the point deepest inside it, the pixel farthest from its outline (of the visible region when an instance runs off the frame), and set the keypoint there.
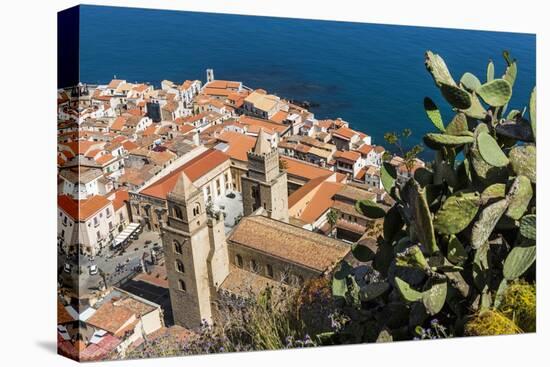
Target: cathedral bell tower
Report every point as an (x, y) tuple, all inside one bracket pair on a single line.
[(265, 185), (196, 257)]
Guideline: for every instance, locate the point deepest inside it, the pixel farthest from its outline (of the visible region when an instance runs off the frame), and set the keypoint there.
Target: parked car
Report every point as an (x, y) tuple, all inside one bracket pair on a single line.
[(93, 269)]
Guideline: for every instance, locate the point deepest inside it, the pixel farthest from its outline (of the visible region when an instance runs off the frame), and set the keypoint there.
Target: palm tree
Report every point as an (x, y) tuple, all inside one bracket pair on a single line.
[(332, 217)]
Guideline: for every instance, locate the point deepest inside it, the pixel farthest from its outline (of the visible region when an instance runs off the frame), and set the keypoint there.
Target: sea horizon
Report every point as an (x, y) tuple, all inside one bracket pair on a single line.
[(371, 75)]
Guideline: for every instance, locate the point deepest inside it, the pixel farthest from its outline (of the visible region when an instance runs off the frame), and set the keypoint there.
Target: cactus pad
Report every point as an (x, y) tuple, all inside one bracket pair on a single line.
[(495, 93), (408, 293), (495, 191), (433, 114), (422, 218), (523, 159), (369, 209), (388, 176), (434, 296), (490, 151), (456, 253), (373, 290), (456, 213), (490, 71), (470, 82), (437, 67), (458, 124), (518, 261), (436, 141), (457, 97), (528, 226), (487, 221), (520, 196)]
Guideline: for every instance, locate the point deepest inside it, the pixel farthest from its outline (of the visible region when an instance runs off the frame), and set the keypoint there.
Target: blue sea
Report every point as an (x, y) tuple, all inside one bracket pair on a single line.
[(368, 74)]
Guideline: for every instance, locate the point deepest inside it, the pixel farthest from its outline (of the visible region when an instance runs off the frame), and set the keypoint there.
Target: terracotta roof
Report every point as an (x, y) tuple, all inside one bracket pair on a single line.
[(223, 84), (320, 202), (261, 123), (239, 144), (110, 317), (289, 243), (101, 350), (114, 83), (361, 174), (119, 122), (105, 158), (129, 145), (194, 169), (244, 283), (81, 210), (344, 132), (63, 316), (305, 170), (279, 117), (347, 155), (217, 92), (120, 197), (365, 149)]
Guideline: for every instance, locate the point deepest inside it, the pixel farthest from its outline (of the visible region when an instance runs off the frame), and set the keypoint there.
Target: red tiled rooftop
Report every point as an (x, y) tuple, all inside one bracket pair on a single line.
[(305, 170), (239, 144), (194, 169), (344, 132), (81, 210)]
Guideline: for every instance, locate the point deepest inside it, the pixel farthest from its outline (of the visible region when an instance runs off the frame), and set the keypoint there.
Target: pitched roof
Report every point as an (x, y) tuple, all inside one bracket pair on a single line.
[(365, 149), (194, 169), (290, 243), (121, 196), (344, 132), (303, 169), (347, 155), (262, 145), (81, 210), (110, 317), (239, 144)]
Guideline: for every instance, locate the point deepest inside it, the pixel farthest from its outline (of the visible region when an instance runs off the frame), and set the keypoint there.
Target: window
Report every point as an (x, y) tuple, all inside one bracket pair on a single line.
[(253, 265), (110, 226), (65, 221), (96, 222), (177, 212), (181, 285), (121, 217), (197, 209), (62, 233), (98, 235), (269, 270), (108, 211), (180, 267), (178, 247), (239, 261)]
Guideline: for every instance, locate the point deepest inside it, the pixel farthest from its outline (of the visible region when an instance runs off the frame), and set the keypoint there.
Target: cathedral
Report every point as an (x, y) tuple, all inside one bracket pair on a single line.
[(202, 260)]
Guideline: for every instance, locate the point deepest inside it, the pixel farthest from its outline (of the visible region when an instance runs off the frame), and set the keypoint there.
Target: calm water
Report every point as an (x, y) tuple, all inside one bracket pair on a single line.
[(370, 75)]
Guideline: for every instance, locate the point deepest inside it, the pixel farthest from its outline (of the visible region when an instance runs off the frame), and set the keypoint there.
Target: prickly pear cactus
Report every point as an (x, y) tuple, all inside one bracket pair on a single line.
[(464, 227)]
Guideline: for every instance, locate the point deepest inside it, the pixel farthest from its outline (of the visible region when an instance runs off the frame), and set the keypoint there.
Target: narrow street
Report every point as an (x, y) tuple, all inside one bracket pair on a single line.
[(118, 265)]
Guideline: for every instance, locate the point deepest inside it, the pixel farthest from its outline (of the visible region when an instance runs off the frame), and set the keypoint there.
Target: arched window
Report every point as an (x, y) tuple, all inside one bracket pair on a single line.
[(196, 209), (181, 285), (269, 270), (177, 212), (239, 261), (179, 266), (178, 247)]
